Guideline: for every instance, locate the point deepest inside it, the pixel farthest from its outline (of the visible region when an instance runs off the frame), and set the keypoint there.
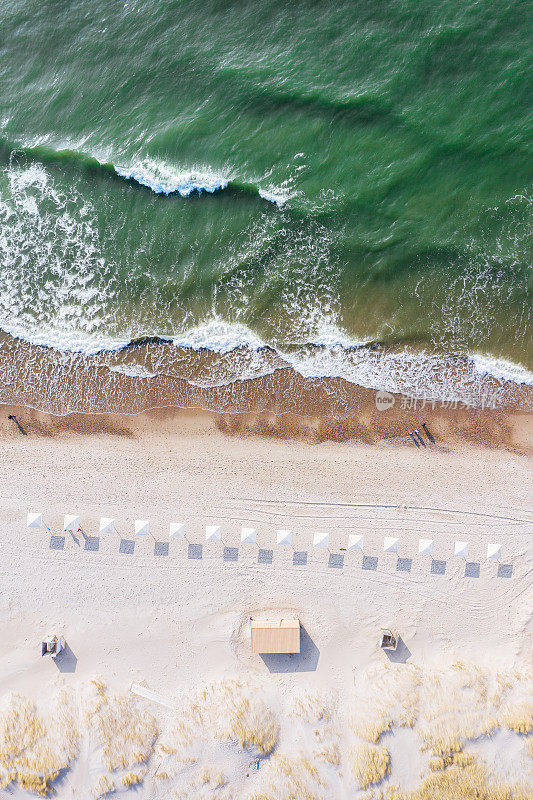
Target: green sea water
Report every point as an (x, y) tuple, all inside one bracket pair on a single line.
[(297, 175)]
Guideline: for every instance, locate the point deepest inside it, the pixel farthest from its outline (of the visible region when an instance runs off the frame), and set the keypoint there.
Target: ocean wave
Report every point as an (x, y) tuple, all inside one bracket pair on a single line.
[(68, 297), (159, 176), (502, 369), (163, 179), (278, 197), (66, 342), (220, 354), (219, 336)]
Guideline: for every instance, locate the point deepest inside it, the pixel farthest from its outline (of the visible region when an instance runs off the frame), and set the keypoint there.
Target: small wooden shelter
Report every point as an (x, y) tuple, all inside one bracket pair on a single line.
[(52, 646), (275, 636), (388, 640)]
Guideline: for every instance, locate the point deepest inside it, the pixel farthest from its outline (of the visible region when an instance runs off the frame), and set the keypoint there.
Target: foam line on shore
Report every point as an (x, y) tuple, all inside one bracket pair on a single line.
[(181, 369), (502, 369)]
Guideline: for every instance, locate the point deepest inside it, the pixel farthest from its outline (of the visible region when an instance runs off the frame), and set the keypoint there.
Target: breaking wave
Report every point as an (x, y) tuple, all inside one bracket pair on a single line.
[(62, 290), (157, 175), (502, 369)]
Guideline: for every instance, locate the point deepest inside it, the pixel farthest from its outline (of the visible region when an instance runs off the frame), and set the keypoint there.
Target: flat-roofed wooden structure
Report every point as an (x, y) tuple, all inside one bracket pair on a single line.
[(275, 635)]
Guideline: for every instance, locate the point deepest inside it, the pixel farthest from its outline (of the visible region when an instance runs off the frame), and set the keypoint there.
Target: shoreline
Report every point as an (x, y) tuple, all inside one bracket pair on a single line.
[(153, 374), (450, 428)]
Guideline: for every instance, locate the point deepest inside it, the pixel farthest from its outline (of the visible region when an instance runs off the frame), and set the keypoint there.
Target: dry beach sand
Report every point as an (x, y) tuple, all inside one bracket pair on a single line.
[(451, 710)]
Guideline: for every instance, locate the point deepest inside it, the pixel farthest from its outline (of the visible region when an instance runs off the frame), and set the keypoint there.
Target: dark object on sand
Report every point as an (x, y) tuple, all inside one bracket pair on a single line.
[(415, 440), (428, 434), (422, 442), (17, 423)]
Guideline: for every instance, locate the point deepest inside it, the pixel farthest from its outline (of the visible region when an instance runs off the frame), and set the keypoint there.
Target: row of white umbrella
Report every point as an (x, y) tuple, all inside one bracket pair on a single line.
[(213, 533)]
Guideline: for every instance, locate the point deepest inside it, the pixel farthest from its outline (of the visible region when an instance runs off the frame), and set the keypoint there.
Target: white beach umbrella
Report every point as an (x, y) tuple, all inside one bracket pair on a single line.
[(142, 527), (248, 535), (107, 525), (321, 540), (390, 544), (34, 520), (494, 551), (425, 547), (461, 549), (71, 522), (355, 541), (284, 537), (177, 530), (213, 533)]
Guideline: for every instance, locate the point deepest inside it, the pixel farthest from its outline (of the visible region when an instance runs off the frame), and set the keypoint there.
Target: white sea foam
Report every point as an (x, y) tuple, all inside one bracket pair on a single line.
[(501, 369), (133, 371), (55, 282), (272, 197), (218, 336), (65, 342), (58, 290), (164, 179), (329, 334)]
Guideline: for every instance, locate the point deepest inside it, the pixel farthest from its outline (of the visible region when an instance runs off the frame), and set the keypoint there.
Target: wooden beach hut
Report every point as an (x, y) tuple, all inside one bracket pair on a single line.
[(275, 636)]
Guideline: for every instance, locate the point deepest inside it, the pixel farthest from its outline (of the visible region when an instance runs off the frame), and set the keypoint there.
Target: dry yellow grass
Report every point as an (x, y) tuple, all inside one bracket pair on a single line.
[(446, 709), (373, 729), (460, 783), (290, 779), (224, 711), (197, 788), (132, 779), (103, 787), (369, 764), (213, 777), (503, 682), (125, 733), (311, 708), (519, 719), (331, 754), (443, 742), (252, 729), (239, 714), (31, 753), (221, 712), (385, 697), (459, 759)]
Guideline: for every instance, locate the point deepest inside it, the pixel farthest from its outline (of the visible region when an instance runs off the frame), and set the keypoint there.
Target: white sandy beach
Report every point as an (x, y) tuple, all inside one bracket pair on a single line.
[(177, 623)]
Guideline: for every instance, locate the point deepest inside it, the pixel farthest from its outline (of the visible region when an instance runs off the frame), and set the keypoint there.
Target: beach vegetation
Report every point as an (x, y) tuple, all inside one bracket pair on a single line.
[(369, 764), (125, 733), (33, 751), (519, 719), (132, 779), (459, 783)]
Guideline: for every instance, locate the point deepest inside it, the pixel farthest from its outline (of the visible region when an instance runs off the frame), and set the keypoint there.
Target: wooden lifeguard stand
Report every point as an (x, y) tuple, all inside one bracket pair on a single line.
[(52, 646), (388, 640)]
